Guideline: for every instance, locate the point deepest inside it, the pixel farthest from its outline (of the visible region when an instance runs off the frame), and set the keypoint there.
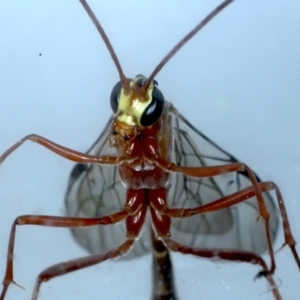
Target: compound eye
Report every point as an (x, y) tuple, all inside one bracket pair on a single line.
[(154, 109), (115, 97)]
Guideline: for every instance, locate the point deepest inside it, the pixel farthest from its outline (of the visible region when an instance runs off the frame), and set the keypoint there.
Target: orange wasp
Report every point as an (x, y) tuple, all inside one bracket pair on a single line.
[(154, 180)]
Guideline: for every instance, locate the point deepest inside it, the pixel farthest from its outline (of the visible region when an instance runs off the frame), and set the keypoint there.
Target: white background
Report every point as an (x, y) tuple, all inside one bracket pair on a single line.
[(238, 81)]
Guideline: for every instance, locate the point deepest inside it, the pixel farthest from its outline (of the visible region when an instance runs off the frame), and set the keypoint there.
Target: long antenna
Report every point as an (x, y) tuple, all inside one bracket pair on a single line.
[(108, 45), (182, 42), (175, 49)]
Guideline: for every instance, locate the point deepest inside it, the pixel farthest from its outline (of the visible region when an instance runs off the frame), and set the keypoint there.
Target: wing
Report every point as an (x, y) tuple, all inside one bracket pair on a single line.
[(96, 191), (233, 228)]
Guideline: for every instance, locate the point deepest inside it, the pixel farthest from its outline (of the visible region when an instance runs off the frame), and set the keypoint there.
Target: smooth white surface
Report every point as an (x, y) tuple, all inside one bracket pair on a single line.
[(237, 81)]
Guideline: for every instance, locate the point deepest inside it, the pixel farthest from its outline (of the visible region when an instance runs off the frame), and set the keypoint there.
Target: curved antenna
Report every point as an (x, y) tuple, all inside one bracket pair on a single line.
[(108, 45), (208, 18)]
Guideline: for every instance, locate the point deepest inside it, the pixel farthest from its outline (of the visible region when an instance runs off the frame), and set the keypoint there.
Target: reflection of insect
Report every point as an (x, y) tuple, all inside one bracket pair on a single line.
[(98, 192)]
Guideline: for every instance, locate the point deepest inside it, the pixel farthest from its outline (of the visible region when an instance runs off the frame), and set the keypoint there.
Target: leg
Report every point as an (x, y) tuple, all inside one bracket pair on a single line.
[(223, 169), (51, 221), (79, 263), (229, 255), (62, 151), (236, 198), (217, 170), (137, 217), (134, 214)]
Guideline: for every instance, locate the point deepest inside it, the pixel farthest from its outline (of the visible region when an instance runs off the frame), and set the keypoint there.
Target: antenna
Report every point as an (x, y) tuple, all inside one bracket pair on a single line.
[(182, 42), (108, 45)]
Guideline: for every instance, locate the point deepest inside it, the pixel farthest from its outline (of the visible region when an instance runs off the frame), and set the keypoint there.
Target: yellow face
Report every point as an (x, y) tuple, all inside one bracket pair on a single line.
[(133, 105)]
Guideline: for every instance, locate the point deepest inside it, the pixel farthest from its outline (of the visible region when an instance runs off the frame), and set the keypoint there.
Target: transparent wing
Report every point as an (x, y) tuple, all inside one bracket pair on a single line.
[(96, 191), (232, 228)]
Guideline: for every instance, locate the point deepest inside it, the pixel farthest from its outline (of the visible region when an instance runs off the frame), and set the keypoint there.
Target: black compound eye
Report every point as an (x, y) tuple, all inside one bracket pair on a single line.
[(115, 96), (154, 109)]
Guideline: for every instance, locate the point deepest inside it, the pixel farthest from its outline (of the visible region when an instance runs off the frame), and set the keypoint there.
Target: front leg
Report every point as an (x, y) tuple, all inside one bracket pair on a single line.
[(63, 151)]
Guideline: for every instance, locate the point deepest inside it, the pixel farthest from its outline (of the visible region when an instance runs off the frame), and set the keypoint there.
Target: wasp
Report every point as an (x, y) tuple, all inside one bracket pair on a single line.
[(153, 182)]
